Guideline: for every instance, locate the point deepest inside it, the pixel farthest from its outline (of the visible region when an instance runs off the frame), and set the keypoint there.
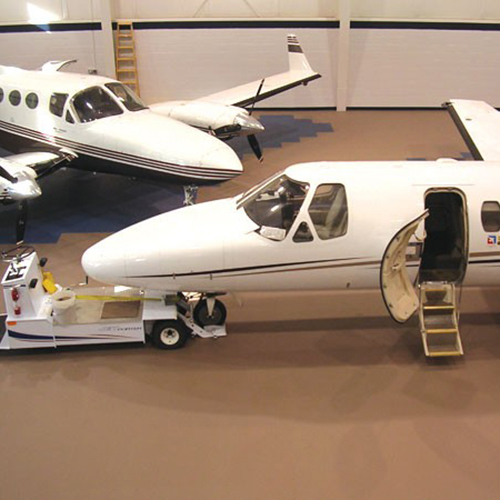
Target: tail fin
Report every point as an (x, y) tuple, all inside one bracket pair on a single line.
[(296, 58)]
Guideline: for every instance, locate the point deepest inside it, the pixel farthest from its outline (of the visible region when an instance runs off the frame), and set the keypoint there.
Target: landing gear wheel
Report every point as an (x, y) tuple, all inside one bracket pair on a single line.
[(202, 317), (172, 334)]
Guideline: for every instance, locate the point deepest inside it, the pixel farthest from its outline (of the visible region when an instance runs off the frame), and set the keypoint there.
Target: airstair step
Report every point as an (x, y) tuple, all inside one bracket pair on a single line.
[(439, 307), (441, 330), (442, 352), (439, 319)]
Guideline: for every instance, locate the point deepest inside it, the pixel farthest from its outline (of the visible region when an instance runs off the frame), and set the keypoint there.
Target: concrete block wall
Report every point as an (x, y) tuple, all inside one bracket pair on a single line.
[(422, 67), (390, 64), (191, 63), (29, 50)]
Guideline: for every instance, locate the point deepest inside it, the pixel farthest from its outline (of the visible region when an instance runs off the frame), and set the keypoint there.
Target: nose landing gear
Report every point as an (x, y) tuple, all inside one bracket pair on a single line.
[(209, 311)]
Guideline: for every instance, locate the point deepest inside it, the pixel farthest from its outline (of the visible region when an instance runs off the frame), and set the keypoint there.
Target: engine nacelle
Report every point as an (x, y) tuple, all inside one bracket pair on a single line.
[(220, 119)]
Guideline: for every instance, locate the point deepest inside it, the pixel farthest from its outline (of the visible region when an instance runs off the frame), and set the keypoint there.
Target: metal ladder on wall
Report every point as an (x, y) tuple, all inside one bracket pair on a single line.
[(438, 316), (126, 62)]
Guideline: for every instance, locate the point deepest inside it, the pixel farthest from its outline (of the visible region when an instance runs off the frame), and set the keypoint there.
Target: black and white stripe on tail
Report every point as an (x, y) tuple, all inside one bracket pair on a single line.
[(293, 44)]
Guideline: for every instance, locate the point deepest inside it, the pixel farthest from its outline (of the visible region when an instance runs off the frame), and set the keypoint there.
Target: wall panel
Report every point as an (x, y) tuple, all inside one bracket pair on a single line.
[(400, 68), (186, 64)]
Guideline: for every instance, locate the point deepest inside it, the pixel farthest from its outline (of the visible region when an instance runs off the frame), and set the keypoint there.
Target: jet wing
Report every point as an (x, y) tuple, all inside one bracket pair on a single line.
[(299, 73), (479, 125)]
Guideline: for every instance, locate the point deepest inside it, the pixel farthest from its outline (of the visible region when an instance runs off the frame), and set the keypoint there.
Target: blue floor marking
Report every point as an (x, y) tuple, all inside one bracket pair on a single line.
[(74, 201), (280, 129)]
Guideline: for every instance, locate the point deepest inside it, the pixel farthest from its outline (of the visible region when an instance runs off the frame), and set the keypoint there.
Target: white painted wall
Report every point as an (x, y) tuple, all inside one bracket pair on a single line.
[(31, 50), (224, 9), (187, 64), (386, 67), (42, 11), (418, 10), (423, 67)]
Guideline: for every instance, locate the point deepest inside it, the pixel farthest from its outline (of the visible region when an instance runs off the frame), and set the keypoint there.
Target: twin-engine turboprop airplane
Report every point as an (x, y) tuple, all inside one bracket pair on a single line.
[(111, 130), (424, 231)]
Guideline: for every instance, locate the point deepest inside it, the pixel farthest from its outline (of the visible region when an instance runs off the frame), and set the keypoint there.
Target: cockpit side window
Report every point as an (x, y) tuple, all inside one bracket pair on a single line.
[(57, 102), (126, 96), (328, 211), (275, 206), (95, 103)]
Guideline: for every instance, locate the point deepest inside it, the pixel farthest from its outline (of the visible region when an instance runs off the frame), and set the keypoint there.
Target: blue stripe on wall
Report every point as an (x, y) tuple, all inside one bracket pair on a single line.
[(255, 24), (421, 25), (53, 27)]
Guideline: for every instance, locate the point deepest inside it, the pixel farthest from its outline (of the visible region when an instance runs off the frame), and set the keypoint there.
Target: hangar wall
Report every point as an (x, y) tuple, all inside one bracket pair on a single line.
[(392, 62)]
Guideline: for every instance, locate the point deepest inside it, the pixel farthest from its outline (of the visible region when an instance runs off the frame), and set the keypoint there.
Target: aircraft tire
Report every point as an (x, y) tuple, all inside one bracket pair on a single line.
[(169, 334), (201, 317)]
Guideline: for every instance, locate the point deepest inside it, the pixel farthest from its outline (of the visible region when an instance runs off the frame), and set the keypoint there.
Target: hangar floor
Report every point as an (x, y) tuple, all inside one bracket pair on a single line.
[(310, 396)]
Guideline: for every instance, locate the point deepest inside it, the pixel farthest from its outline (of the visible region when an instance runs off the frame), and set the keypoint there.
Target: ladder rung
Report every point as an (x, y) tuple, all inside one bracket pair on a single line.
[(125, 58)]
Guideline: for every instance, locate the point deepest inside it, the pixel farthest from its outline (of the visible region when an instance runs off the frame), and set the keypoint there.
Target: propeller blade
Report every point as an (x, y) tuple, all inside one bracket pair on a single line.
[(22, 218), (256, 95), (254, 144)]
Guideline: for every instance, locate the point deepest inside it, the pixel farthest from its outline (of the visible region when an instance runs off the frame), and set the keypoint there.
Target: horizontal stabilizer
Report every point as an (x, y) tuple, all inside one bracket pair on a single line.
[(54, 66), (479, 125)]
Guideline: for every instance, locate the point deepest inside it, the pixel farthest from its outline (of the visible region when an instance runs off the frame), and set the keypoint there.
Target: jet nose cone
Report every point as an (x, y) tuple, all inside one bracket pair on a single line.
[(105, 262), (249, 124)]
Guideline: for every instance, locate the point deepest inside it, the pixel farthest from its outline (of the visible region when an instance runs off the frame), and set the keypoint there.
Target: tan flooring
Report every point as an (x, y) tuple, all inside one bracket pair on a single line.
[(316, 396)]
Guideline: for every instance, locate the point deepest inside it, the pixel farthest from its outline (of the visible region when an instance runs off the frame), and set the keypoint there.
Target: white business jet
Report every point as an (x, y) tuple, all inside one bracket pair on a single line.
[(416, 230), (111, 130)]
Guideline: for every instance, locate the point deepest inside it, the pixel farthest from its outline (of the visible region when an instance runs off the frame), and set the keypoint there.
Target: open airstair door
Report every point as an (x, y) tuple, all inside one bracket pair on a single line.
[(398, 291)]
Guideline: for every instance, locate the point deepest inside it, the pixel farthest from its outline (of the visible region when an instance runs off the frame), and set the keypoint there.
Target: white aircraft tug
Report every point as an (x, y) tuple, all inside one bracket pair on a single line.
[(41, 313)]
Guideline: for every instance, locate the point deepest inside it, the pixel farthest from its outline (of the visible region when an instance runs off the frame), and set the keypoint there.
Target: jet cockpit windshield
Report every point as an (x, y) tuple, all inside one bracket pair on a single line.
[(275, 206), (95, 103), (126, 96)]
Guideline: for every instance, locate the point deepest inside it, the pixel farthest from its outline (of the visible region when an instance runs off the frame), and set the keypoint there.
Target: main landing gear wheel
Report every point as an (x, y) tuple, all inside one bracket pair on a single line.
[(172, 334), (202, 316)]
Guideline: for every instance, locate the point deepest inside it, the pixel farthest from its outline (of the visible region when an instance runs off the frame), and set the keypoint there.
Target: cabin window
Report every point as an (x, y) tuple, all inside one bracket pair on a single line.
[(1, 94), (69, 117), (57, 102), (328, 211), (31, 100), (275, 206), (95, 103), (15, 97), (303, 233), (126, 96), (490, 216)]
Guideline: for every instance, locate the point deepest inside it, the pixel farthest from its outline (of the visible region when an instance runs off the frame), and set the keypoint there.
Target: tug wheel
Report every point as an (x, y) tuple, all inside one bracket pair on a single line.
[(172, 334), (203, 318)]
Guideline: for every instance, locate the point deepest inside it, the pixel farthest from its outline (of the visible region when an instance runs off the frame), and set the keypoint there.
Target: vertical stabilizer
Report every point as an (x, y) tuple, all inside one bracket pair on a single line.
[(296, 58)]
